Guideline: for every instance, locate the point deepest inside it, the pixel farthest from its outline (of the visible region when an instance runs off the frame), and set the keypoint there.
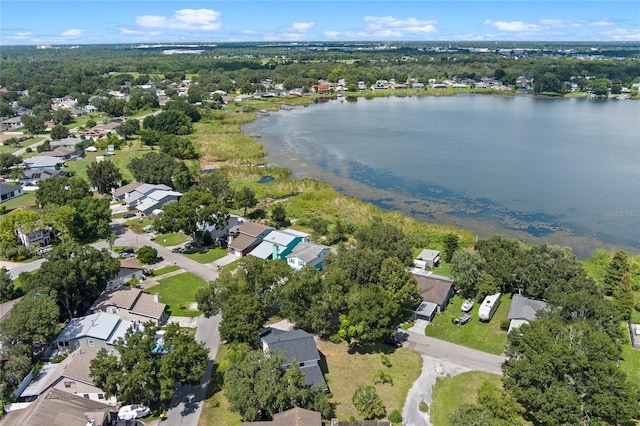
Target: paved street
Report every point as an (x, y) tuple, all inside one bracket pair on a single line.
[(456, 354)]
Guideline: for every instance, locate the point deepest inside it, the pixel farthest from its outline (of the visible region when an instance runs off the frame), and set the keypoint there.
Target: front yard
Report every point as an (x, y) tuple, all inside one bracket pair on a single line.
[(206, 255), (179, 293), (486, 337)]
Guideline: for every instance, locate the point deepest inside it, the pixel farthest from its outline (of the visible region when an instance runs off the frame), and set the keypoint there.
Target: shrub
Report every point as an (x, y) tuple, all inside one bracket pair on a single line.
[(395, 417), (147, 255), (504, 325), (423, 406), (386, 361)]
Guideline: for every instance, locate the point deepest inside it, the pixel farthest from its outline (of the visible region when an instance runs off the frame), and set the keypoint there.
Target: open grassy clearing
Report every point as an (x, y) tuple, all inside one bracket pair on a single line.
[(165, 270), (26, 200), (486, 337), (207, 255), (449, 393), (179, 292), (347, 371), (168, 240)]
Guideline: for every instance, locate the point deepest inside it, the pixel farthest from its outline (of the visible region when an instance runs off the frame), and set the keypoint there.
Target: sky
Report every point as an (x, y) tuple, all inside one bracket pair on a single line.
[(119, 21)]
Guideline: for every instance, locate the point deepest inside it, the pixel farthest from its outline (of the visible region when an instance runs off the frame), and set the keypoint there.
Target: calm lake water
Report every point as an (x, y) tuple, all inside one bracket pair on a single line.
[(564, 171)]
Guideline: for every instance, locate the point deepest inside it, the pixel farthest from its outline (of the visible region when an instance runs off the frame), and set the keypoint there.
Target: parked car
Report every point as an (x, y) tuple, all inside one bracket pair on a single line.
[(395, 342), (128, 215), (134, 411), (190, 244), (467, 305), (176, 250)]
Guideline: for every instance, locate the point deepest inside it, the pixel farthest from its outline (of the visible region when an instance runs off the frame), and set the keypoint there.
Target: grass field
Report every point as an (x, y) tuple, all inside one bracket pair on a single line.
[(630, 362), (348, 371), (486, 337), (207, 256), (165, 270), (28, 199), (168, 240), (449, 393), (178, 292)]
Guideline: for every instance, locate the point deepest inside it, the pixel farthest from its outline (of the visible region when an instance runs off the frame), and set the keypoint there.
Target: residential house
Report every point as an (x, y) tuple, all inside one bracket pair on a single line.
[(297, 346), (245, 237), (121, 194), (417, 85), (7, 192), (12, 123), (56, 407), (131, 304), (44, 162), (70, 376), (523, 310), (69, 141), (306, 253), (221, 233), (98, 330), (148, 198), (31, 177), (64, 152), (293, 417), (427, 259), (88, 109), (434, 289), (278, 244), (130, 269), (152, 204), (39, 236)]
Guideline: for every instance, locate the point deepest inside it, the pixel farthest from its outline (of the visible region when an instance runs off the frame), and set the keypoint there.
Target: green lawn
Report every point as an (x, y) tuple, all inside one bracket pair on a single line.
[(630, 363), (168, 240), (28, 199), (165, 270), (486, 337), (449, 393), (178, 292), (207, 256)]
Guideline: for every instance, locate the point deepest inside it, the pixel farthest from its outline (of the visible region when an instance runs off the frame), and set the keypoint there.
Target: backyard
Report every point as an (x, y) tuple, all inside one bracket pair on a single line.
[(178, 292), (486, 337)]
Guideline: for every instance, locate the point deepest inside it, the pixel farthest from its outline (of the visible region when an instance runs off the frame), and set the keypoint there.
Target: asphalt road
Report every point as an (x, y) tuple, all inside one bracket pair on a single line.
[(456, 354)]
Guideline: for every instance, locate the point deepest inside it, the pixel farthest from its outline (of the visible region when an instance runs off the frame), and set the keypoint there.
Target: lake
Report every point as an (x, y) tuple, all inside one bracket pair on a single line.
[(563, 171)]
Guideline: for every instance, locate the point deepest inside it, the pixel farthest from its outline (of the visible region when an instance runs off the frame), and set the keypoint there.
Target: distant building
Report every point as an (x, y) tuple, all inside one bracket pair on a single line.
[(7, 192)]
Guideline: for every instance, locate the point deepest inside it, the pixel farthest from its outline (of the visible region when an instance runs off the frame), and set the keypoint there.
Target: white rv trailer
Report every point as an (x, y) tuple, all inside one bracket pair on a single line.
[(489, 306)]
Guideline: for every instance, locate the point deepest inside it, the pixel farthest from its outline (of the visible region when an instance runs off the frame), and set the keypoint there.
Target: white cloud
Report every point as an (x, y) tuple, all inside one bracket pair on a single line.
[(302, 26), (128, 31), (20, 35), (72, 33), (512, 26), (621, 34), (601, 24), (384, 24), (183, 19)]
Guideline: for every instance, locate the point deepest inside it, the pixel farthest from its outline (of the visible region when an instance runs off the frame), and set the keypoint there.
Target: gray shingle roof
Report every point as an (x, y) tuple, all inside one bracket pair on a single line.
[(524, 308), (307, 251)]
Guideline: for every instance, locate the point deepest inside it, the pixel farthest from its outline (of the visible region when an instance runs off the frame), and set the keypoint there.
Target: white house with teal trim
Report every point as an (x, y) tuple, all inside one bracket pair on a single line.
[(278, 244)]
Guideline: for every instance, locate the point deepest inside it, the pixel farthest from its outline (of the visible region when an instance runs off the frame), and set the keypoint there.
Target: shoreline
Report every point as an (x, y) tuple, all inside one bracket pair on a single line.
[(452, 209)]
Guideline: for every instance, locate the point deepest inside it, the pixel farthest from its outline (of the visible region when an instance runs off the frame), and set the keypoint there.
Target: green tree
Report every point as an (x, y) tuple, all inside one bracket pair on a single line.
[(104, 176), (245, 198), (243, 317), (33, 124), (177, 146), (278, 215), (150, 137), (58, 132), (486, 285), (77, 274), (400, 284), (154, 167), (141, 374), (502, 258), (368, 402), (623, 298), (128, 128), (147, 255), (256, 383), (466, 267), (451, 243), (371, 315), (565, 373), (7, 161), (616, 270), (7, 291), (172, 121), (61, 190), (33, 323)]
